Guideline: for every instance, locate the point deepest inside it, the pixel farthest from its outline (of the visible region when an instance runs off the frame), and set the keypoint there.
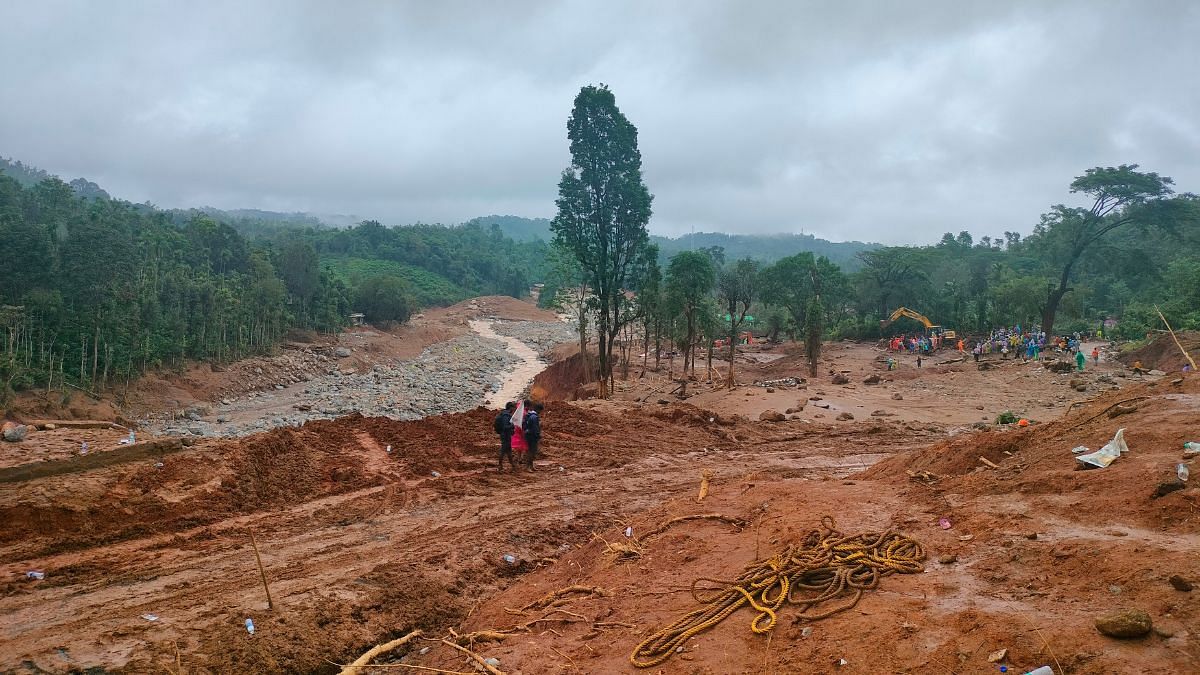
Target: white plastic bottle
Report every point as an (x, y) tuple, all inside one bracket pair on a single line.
[(1181, 470), (1044, 670)]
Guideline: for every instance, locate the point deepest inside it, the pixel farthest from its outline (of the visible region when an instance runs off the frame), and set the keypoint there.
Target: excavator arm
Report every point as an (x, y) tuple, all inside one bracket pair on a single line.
[(904, 311)]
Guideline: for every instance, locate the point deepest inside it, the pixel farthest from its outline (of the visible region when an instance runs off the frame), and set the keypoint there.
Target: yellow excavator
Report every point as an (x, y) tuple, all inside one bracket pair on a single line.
[(930, 326)]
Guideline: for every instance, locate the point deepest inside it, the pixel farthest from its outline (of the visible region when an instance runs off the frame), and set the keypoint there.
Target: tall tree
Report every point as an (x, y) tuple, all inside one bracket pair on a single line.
[(690, 279), (603, 207), (1120, 196), (736, 287)]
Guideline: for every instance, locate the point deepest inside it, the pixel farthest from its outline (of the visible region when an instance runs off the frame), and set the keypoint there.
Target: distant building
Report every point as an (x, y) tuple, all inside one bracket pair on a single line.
[(358, 319)]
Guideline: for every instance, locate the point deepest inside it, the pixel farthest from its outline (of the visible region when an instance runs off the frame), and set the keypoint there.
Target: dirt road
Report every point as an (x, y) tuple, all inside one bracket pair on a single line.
[(515, 381)]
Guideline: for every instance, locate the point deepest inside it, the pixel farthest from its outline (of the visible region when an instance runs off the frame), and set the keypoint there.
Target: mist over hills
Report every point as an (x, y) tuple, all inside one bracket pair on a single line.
[(258, 222)]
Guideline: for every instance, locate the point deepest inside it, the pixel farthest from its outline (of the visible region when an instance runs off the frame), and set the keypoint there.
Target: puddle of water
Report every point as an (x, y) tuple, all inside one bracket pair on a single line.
[(514, 381)]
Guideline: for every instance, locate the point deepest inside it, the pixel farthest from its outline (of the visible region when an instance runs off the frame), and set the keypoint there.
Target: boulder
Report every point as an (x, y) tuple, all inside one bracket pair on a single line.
[(1124, 624), (14, 433), (839, 378), (1168, 486), (845, 417), (771, 415), (1179, 583), (871, 379), (897, 396), (341, 352)]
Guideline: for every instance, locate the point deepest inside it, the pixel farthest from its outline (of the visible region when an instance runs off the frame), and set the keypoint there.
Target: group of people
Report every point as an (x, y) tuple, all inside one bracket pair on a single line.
[(519, 426), (915, 344), (1028, 343)]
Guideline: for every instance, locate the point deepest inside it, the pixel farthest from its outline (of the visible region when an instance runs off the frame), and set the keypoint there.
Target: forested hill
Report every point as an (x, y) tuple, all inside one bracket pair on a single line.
[(95, 290), (765, 248)]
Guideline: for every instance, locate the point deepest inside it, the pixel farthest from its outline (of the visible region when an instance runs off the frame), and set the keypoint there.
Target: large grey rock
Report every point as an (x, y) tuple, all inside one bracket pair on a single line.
[(15, 433), (341, 352)]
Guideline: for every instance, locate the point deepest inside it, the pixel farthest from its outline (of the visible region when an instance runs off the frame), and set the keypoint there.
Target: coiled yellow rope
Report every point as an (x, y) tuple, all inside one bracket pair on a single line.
[(824, 566)]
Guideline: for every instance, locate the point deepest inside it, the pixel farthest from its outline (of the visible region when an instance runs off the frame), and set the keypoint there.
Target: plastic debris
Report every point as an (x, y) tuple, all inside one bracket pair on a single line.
[(1181, 470), (1106, 455), (249, 626), (493, 661), (158, 465), (1044, 670), (629, 531), (806, 631), (150, 617), (510, 558), (32, 574), (997, 655), (841, 662), (1080, 449), (389, 448), (944, 523), (83, 449)]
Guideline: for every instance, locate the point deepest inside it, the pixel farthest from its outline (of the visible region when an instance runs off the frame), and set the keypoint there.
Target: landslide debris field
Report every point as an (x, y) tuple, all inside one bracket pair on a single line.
[(148, 563)]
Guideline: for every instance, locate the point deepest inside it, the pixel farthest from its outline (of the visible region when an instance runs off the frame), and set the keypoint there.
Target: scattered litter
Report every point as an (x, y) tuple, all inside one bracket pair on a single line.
[(510, 558), (806, 631), (35, 575), (435, 474), (1042, 670), (158, 465), (1106, 455), (997, 655), (249, 626), (423, 651), (1181, 470), (389, 448), (150, 617), (561, 467), (966, 537), (493, 662), (944, 523), (83, 449), (629, 531), (1191, 449), (841, 662), (132, 437), (1080, 449), (123, 441)]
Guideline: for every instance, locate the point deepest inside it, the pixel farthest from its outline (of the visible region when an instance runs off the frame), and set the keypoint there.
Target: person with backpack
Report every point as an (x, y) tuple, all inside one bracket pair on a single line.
[(533, 431), (503, 426)]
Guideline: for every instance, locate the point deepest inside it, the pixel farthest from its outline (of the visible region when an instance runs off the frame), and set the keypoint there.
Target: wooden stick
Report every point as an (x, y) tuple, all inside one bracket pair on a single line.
[(705, 477), (270, 604), (407, 665), (990, 463), (371, 653), (478, 659), (1172, 332)]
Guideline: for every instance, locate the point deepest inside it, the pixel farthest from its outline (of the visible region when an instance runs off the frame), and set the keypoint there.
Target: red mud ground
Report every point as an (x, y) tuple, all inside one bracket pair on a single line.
[(361, 546)]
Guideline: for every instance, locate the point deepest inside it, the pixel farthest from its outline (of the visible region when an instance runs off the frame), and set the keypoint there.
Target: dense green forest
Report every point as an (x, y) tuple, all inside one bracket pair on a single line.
[(94, 290)]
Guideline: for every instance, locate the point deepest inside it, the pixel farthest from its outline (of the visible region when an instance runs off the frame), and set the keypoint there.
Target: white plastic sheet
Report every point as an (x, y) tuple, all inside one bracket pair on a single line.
[(1106, 455)]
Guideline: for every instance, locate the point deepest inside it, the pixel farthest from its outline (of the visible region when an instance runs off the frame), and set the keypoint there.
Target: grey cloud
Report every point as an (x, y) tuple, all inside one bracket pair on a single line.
[(875, 121)]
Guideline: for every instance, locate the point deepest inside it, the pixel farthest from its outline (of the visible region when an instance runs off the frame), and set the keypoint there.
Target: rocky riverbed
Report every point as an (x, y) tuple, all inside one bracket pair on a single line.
[(449, 376)]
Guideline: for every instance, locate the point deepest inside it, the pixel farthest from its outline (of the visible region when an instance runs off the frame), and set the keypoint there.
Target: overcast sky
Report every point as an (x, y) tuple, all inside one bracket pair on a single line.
[(879, 121)]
